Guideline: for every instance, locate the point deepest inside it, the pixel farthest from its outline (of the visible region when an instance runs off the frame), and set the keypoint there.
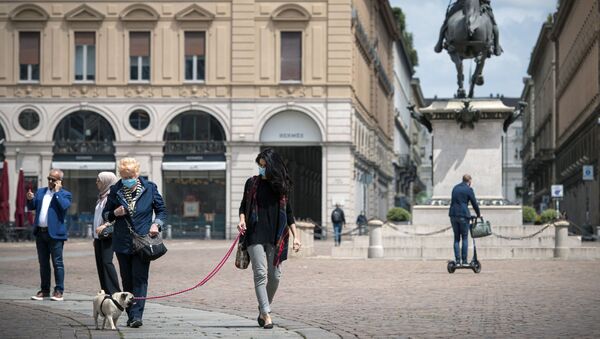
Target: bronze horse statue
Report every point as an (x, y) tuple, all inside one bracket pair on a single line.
[(470, 34)]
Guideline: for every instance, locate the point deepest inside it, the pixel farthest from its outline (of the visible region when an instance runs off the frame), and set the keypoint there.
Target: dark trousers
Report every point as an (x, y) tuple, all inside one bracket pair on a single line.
[(337, 230), (50, 248), (460, 226), (107, 274), (134, 275)]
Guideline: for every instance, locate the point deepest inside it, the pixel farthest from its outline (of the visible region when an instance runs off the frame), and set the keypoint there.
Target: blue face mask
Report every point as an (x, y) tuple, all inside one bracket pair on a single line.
[(129, 183), (262, 171)]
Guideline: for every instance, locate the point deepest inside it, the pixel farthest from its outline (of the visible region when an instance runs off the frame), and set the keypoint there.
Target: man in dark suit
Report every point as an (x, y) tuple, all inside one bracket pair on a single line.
[(50, 204), (460, 215)]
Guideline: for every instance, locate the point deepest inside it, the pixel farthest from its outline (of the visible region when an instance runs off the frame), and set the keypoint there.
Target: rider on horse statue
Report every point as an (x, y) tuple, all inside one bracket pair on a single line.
[(458, 5)]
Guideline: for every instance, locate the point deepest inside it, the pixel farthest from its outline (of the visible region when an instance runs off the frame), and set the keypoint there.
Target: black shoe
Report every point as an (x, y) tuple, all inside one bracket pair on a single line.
[(136, 323), (129, 322), (261, 321)]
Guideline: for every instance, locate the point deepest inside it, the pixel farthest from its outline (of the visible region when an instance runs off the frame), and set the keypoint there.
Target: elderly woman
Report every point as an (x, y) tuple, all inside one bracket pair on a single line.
[(109, 281), (266, 221), (131, 203)]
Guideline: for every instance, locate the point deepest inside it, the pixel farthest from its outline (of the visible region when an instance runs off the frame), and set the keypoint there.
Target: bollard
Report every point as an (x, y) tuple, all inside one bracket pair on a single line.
[(561, 249), (207, 235), (89, 231), (169, 230), (375, 239)]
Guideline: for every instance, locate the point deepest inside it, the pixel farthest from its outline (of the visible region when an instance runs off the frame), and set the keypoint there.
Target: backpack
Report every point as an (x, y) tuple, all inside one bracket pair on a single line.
[(336, 216)]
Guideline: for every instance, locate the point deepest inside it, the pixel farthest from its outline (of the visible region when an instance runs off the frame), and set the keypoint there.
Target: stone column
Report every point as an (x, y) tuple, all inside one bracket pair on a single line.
[(305, 232), (561, 249), (375, 239)]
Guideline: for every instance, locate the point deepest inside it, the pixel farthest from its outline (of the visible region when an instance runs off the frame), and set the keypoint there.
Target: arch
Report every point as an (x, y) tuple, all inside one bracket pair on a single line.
[(196, 133), (311, 113), (194, 13), (29, 12), (83, 132), (84, 13), (60, 115), (215, 112), (139, 12), (290, 12)]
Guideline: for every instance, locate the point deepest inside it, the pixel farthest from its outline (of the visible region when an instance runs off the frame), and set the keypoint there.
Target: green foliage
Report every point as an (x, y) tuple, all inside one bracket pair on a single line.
[(407, 36), (398, 214), (548, 215), (529, 214), (538, 219)]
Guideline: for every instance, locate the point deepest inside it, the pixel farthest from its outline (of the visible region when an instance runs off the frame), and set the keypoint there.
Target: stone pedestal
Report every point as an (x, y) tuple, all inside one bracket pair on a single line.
[(467, 139), (375, 239), (306, 232)]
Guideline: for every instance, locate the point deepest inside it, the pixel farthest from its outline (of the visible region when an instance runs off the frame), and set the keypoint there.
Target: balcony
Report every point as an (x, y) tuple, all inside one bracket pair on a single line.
[(194, 147), (83, 147)]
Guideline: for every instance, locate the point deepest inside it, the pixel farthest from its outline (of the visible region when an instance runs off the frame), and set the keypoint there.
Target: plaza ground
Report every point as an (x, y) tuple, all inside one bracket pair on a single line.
[(321, 296)]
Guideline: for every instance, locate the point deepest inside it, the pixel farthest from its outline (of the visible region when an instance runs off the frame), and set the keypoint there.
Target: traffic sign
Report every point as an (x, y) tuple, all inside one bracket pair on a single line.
[(588, 172), (557, 191)]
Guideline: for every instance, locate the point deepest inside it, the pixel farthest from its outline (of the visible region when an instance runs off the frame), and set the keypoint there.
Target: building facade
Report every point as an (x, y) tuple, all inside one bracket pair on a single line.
[(577, 98), (512, 164), (194, 91), (539, 119)]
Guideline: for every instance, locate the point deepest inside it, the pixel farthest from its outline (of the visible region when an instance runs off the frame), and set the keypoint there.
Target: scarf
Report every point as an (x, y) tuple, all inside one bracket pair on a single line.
[(283, 235), (128, 192), (106, 179)]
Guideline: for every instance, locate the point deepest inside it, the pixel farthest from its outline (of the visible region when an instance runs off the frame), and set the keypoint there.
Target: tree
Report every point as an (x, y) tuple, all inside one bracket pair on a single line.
[(406, 36)]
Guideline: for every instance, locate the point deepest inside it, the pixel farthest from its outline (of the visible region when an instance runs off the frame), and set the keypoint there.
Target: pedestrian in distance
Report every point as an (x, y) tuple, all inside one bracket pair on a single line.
[(51, 205), (103, 251), (460, 217), (131, 203), (339, 220), (266, 220), (361, 222)]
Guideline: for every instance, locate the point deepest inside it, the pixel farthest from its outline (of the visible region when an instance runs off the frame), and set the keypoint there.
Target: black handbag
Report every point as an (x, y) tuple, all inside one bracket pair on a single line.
[(147, 247), (106, 232)]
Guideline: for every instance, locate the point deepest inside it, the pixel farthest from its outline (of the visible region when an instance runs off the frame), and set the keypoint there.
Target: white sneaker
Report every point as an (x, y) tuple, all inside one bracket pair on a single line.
[(40, 296), (57, 296)]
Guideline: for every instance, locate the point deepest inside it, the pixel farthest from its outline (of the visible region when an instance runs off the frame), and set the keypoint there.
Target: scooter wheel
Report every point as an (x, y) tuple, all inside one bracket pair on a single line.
[(451, 267), (476, 267)]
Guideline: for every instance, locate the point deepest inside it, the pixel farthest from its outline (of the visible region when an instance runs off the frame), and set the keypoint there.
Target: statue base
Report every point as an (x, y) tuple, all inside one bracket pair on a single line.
[(467, 139)]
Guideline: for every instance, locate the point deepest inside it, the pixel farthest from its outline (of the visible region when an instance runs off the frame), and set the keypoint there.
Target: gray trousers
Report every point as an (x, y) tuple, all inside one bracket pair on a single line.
[(266, 276)]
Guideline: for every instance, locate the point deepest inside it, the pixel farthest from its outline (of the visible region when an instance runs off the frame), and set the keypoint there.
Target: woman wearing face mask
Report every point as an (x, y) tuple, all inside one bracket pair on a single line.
[(132, 201), (266, 221), (109, 281)]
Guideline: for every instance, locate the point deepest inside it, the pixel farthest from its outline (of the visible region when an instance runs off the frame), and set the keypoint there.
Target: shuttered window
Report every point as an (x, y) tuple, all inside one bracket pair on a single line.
[(139, 56), (195, 44), (291, 56), (85, 56), (29, 56)]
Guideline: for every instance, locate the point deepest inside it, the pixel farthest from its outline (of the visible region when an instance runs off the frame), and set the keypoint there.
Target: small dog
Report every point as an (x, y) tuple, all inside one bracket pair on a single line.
[(111, 307)]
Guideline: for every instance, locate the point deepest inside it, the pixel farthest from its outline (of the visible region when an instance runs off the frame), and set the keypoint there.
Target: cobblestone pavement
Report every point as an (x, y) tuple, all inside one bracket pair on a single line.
[(362, 298)]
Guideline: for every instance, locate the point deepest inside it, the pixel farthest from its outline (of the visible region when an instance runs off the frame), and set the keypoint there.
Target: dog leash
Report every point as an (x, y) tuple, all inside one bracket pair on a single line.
[(203, 281)]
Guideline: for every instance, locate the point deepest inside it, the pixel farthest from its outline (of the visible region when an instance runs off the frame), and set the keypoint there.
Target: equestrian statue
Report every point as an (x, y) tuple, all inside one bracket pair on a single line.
[(470, 32)]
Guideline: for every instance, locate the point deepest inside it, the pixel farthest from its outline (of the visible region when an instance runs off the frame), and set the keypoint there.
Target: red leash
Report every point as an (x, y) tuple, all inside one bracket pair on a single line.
[(205, 280)]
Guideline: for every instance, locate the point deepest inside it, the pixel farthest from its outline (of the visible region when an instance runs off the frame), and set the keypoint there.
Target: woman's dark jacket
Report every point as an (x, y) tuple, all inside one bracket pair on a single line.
[(149, 201)]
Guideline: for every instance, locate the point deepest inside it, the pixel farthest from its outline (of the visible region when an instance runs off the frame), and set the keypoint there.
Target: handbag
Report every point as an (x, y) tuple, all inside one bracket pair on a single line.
[(242, 259), (147, 247), (480, 228), (107, 232)]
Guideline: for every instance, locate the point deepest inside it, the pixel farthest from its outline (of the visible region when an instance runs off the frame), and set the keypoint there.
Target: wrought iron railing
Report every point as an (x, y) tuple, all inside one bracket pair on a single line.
[(83, 147)]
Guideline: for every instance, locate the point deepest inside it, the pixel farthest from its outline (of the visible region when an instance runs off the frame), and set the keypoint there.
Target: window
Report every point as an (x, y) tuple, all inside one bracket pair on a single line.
[(194, 56), (139, 120), (29, 119), (291, 56), (29, 56), (139, 56), (85, 56)]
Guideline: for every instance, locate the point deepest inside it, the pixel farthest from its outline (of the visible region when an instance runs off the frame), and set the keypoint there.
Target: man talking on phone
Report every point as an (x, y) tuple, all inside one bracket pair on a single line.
[(50, 204)]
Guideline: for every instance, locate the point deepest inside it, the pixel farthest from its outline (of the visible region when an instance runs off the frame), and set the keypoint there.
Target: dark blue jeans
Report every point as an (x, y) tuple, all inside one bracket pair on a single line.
[(337, 229), (134, 275), (460, 226), (50, 248)]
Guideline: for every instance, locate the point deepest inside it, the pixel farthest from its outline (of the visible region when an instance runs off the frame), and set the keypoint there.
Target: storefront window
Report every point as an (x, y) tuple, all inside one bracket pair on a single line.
[(195, 199), (84, 133), (82, 185), (194, 133)]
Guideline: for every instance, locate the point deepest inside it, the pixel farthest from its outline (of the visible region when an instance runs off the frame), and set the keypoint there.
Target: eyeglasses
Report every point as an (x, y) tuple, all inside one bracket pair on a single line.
[(51, 179)]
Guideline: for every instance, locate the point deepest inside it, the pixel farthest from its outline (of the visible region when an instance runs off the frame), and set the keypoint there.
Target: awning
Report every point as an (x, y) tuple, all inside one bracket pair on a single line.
[(85, 165), (194, 166)]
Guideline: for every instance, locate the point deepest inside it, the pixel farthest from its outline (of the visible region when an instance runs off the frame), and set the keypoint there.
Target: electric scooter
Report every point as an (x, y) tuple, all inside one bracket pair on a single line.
[(475, 265)]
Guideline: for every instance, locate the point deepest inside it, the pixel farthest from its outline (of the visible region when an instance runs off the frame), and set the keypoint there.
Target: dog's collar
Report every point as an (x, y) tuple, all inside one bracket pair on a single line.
[(121, 308)]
